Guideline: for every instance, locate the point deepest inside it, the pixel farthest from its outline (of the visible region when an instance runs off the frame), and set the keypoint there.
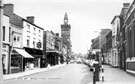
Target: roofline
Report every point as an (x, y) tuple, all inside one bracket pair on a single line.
[(114, 18), (32, 23), (130, 6)]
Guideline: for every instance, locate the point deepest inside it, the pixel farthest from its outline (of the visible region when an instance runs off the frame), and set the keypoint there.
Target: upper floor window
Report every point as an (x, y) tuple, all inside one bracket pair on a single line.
[(33, 44), (3, 33), (18, 38), (28, 42), (39, 31), (28, 26), (14, 38), (9, 33), (34, 28)]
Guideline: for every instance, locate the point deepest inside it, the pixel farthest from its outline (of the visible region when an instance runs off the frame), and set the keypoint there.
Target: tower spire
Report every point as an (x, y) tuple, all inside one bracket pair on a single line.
[(65, 18)]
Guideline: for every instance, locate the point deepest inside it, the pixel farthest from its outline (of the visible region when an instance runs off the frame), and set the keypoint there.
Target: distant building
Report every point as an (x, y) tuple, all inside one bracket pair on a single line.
[(95, 43), (121, 36), (108, 47), (58, 47), (65, 35), (64, 51), (95, 47), (102, 41), (49, 48), (115, 26)]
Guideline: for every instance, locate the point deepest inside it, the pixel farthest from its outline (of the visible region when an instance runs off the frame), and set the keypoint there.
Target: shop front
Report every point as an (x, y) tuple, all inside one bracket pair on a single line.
[(38, 56), (5, 58), (53, 57), (18, 60), (61, 58)]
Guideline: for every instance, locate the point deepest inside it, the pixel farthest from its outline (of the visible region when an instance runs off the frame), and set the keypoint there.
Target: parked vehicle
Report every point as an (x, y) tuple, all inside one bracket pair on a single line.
[(72, 61)]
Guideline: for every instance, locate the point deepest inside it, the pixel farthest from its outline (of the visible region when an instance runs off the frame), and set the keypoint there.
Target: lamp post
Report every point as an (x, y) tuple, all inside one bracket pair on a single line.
[(1, 24)]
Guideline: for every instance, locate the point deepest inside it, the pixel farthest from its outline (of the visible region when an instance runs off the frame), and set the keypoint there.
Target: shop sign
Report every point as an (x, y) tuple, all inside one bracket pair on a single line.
[(39, 44)]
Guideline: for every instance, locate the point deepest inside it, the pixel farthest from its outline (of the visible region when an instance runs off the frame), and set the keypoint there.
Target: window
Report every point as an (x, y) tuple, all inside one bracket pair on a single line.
[(34, 28), (33, 44), (18, 38), (28, 26), (3, 33), (9, 33), (14, 38), (28, 42), (39, 31)]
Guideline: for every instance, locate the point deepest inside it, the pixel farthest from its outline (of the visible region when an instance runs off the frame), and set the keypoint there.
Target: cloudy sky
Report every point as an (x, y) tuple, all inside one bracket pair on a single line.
[(85, 17)]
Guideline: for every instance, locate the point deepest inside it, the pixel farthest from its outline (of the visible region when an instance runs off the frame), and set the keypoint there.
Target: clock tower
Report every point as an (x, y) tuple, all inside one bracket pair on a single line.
[(65, 34)]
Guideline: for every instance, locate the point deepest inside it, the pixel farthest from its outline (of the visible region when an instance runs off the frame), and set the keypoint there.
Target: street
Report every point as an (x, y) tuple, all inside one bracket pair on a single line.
[(68, 74)]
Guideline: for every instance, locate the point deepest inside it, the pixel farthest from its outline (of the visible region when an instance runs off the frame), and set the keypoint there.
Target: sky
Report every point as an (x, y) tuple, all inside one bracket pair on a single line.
[(85, 17)]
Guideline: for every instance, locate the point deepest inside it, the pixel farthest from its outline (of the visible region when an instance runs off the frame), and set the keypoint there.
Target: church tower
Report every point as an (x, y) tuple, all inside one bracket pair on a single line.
[(65, 34)]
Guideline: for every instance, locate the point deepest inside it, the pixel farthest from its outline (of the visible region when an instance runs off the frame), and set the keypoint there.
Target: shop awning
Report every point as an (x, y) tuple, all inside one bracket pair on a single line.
[(34, 51), (23, 53), (52, 51)]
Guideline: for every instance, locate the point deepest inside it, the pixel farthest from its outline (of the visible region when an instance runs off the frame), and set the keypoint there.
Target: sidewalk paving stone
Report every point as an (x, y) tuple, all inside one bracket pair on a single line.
[(29, 72), (115, 76)]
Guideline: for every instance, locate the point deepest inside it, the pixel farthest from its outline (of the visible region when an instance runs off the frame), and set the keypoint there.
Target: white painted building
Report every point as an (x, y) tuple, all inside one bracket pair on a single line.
[(33, 39), (32, 34), (5, 44), (16, 37), (13, 31), (50, 40), (115, 25)]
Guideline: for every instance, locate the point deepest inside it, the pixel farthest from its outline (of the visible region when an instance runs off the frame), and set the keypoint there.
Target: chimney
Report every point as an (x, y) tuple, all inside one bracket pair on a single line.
[(30, 19), (8, 9), (126, 5)]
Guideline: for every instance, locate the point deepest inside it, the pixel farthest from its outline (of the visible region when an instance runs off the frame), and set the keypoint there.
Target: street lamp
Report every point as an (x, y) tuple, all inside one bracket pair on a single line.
[(1, 25)]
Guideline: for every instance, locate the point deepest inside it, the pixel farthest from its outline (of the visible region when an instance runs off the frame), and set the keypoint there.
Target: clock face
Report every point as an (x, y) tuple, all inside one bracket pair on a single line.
[(66, 20)]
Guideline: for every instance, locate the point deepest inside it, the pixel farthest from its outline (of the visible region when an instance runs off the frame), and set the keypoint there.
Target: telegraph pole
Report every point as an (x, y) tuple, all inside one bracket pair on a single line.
[(1, 35)]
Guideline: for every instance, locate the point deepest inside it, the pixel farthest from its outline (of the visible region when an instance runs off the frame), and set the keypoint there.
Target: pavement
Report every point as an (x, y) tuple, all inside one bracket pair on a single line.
[(115, 76), (29, 72)]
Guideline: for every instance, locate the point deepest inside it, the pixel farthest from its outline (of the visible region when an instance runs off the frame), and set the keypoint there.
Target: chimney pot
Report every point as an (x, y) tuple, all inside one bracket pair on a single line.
[(30, 19), (126, 5)]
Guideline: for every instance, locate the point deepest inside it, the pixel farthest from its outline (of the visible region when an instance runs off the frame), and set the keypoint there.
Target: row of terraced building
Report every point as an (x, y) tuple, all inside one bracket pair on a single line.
[(117, 44), (28, 46)]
